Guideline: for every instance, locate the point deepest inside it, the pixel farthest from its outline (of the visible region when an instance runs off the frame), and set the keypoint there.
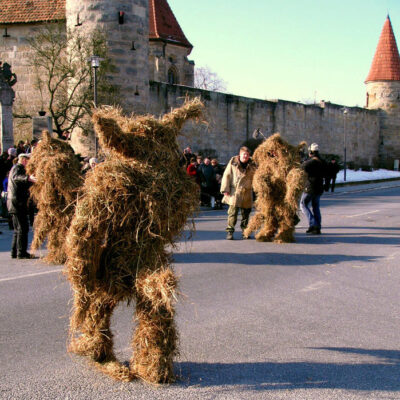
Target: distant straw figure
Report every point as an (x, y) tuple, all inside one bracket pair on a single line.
[(133, 206), (278, 183), (57, 171)]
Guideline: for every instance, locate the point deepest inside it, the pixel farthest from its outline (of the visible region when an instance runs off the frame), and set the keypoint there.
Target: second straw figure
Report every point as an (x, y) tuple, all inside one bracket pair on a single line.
[(278, 183)]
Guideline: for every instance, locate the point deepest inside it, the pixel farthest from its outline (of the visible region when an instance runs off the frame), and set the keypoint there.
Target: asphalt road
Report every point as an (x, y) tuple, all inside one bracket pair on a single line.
[(317, 319)]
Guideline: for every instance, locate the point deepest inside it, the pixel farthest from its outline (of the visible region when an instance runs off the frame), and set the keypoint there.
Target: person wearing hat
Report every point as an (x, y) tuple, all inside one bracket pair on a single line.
[(315, 167), (17, 204)]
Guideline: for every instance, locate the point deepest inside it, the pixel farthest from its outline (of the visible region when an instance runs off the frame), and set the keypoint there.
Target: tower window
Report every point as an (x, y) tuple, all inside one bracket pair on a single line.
[(173, 78)]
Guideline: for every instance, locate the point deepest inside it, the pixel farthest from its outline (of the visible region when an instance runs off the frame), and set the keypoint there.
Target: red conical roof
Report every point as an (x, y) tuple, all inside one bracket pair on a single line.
[(386, 63), (163, 24)]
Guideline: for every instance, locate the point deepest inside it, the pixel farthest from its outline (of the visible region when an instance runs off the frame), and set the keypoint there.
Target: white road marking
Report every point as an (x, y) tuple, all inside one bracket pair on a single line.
[(359, 215), (30, 275), (315, 286)]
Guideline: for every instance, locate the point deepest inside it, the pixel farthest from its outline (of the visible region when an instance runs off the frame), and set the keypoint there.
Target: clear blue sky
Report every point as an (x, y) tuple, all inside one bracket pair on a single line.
[(297, 50)]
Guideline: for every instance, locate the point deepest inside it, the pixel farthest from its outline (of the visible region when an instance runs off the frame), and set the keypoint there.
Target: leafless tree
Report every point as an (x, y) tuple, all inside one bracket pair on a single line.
[(63, 75), (205, 78)]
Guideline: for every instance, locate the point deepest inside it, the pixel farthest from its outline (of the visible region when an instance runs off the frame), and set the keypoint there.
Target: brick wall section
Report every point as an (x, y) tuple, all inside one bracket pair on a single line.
[(232, 120)]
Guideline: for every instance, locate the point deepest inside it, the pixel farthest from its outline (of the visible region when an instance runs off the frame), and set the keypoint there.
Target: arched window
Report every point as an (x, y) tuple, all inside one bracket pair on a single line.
[(173, 78)]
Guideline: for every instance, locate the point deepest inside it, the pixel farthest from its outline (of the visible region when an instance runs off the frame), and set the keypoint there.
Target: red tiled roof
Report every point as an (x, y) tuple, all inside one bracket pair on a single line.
[(386, 63), (163, 24), (23, 11)]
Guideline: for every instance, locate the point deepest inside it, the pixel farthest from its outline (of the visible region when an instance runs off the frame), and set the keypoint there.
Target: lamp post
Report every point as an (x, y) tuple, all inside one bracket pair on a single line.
[(95, 63), (345, 112)]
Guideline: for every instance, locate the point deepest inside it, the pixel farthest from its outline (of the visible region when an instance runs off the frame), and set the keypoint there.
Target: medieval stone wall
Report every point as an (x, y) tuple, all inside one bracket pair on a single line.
[(232, 120)]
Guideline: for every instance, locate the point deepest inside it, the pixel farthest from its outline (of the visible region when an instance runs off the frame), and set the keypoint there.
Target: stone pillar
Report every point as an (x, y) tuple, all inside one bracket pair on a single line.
[(6, 127), (40, 124)]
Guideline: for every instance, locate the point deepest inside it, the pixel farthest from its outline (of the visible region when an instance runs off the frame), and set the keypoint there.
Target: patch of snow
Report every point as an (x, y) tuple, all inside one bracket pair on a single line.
[(357, 176)]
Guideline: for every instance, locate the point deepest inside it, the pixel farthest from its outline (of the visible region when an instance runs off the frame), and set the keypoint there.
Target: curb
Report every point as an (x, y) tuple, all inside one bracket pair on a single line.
[(343, 184)]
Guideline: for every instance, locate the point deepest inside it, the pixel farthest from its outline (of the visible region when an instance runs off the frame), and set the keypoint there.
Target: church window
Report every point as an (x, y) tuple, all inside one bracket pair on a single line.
[(173, 78)]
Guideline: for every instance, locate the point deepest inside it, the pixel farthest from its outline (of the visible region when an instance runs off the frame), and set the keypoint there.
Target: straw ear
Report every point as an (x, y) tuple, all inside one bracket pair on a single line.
[(301, 145), (46, 136), (110, 133), (190, 110)]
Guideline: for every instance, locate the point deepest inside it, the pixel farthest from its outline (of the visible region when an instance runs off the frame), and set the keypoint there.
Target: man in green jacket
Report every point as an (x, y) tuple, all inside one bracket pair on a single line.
[(236, 186)]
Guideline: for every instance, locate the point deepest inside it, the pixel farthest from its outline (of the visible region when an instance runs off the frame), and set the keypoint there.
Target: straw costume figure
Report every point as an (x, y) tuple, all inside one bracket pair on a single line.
[(278, 183), (57, 170), (133, 206)]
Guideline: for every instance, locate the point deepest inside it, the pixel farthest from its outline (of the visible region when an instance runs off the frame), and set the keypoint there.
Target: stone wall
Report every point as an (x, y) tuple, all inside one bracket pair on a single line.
[(232, 120)]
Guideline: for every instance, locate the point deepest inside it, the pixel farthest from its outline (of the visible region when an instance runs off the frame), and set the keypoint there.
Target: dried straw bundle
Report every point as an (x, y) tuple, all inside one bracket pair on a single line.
[(57, 170), (278, 183), (133, 205)]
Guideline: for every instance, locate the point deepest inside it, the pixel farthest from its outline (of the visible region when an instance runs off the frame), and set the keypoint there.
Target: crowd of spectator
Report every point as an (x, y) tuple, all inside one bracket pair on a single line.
[(207, 172)]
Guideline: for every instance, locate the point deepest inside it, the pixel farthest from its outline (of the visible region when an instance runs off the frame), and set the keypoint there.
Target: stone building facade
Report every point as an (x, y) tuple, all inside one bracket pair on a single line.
[(151, 53)]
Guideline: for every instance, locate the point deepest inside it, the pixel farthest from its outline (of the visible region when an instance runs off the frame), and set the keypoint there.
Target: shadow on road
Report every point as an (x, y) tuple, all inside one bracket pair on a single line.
[(384, 237), (268, 258), (380, 373), (360, 238)]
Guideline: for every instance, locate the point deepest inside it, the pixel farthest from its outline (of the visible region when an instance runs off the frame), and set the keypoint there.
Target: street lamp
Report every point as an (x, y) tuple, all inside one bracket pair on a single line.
[(345, 112), (95, 63)]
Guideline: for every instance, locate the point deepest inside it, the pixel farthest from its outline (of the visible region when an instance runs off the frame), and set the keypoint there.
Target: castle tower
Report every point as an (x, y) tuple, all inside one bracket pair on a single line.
[(125, 24), (169, 47), (383, 92)]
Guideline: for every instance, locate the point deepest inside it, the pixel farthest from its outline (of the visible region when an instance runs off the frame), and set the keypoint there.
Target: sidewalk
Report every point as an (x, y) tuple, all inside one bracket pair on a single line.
[(362, 186)]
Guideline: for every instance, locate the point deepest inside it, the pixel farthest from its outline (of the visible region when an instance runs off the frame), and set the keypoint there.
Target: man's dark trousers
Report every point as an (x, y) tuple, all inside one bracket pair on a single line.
[(20, 238)]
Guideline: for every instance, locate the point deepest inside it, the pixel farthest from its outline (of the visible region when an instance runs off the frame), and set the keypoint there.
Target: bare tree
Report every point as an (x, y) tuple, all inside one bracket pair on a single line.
[(63, 75), (206, 79)]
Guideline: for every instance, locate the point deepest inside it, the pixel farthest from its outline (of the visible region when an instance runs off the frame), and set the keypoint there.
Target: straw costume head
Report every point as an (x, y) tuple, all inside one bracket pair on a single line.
[(278, 183), (132, 207)]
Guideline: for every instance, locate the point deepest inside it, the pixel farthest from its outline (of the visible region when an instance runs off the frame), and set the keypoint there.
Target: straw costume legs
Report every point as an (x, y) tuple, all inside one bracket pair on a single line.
[(92, 317), (154, 342), (286, 227), (274, 226)]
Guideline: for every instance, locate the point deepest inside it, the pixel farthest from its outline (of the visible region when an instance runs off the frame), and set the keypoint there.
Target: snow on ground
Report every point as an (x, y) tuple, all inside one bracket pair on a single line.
[(356, 176)]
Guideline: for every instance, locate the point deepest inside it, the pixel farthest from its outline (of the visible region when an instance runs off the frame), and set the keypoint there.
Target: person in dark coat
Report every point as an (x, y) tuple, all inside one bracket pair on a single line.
[(219, 172), (208, 181), (17, 204), (331, 173), (186, 157), (315, 168), (21, 147)]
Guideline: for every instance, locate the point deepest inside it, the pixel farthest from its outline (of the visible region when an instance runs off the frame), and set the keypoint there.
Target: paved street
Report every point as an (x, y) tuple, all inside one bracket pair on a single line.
[(317, 319)]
